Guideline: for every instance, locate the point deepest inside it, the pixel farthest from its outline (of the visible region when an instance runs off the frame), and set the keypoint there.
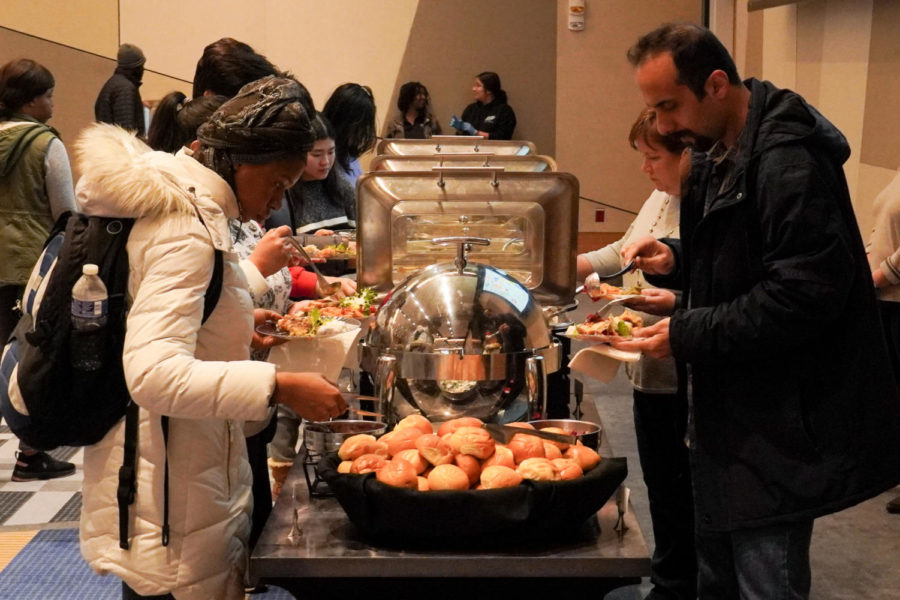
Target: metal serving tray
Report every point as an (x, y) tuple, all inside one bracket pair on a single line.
[(451, 144), (534, 163), (530, 218)]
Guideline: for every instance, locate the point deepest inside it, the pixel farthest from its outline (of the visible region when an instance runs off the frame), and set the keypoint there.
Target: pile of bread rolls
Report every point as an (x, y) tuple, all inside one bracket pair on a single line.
[(461, 455)]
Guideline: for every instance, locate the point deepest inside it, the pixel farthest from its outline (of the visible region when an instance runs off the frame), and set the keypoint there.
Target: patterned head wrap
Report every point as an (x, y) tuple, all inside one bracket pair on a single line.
[(265, 122)]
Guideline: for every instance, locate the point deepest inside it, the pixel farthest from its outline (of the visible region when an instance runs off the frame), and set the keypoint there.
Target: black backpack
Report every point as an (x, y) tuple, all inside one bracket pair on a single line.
[(46, 402)]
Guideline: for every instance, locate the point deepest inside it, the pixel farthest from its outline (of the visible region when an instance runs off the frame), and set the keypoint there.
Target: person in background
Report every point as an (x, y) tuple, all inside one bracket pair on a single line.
[(119, 101), (351, 111), (660, 414), (176, 119), (489, 116), (883, 251), (782, 428), (322, 199), (415, 119), (226, 66), (35, 190), (198, 374)]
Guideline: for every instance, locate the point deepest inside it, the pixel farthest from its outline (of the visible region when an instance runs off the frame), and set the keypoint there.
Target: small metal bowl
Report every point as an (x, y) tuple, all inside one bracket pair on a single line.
[(321, 437), (585, 431)]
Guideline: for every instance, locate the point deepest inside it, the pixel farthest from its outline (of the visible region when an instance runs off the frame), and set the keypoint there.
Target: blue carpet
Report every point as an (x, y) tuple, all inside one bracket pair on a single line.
[(50, 567)]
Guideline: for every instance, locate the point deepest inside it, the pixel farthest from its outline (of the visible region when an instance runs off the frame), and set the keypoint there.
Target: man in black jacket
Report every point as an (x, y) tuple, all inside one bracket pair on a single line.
[(119, 101), (793, 411)]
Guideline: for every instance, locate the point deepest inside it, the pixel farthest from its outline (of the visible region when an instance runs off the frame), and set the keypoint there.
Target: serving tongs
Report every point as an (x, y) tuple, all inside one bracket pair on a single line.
[(504, 433), (328, 287)]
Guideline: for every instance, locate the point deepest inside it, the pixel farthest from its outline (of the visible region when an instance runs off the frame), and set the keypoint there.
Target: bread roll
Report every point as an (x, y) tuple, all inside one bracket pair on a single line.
[(355, 446), (559, 430), (551, 451), (498, 476), (429, 440), (440, 455), (344, 467), (537, 469), (525, 446), (567, 468), (474, 441), (470, 465), (403, 439), (413, 457), (454, 424), (398, 473), (447, 477), (501, 456), (367, 463), (584, 456), (381, 448), (422, 483), (417, 421)]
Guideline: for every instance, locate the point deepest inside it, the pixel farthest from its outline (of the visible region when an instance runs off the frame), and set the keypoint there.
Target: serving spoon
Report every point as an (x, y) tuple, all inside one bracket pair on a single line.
[(326, 286)]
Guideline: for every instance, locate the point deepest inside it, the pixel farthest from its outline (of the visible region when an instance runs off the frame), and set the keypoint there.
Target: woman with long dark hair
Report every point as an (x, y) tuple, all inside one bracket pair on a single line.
[(351, 111), (489, 116)]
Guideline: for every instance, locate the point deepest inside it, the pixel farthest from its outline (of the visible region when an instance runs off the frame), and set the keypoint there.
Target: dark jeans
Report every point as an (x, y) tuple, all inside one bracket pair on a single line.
[(767, 563), (262, 486), (9, 316), (659, 422), (130, 594)]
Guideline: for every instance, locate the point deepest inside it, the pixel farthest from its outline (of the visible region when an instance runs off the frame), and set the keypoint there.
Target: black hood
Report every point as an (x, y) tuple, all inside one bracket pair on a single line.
[(780, 116)]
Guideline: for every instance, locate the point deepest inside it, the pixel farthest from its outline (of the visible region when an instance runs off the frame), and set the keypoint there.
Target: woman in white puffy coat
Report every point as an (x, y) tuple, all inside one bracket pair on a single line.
[(199, 375)]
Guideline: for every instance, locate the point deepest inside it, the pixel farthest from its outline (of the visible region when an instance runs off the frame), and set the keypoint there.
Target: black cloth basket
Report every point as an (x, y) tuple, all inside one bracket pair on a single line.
[(533, 510)]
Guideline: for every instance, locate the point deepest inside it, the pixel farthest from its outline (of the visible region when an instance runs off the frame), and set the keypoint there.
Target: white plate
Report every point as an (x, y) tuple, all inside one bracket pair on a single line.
[(269, 328)]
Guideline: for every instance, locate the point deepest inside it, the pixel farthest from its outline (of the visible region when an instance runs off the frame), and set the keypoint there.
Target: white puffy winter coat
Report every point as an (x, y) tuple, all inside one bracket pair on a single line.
[(200, 376)]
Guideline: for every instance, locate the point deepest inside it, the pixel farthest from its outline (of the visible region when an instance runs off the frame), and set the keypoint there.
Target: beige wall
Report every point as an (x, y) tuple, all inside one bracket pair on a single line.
[(597, 101)]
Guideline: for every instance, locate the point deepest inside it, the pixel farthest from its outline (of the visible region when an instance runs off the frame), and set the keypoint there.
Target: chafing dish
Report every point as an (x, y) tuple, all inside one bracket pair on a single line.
[(530, 220), (460, 338), (535, 163), (452, 144)]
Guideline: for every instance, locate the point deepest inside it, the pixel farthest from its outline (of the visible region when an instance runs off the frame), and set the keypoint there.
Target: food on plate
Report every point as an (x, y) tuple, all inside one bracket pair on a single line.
[(356, 445), (537, 469), (586, 457), (367, 463), (610, 326), (498, 476), (334, 327), (448, 477), (311, 324), (330, 251), (417, 421), (398, 473), (358, 306), (605, 291)]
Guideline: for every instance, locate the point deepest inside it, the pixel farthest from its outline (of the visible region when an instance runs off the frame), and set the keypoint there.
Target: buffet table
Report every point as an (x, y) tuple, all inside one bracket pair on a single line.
[(321, 556)]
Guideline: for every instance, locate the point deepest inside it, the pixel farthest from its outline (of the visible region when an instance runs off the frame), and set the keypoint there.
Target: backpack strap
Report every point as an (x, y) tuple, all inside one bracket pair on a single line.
[(127, 472), (127, 475)]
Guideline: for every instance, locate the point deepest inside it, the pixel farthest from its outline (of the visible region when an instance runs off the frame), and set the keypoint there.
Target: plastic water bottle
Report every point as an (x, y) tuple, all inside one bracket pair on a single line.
[(89, 308)]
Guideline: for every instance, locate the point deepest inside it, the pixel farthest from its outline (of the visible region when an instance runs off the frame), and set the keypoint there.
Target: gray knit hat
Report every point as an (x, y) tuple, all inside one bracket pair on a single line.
[(130, 56)]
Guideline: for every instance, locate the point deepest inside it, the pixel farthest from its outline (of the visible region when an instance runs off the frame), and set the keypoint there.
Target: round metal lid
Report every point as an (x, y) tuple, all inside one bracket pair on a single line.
[(463, 308)]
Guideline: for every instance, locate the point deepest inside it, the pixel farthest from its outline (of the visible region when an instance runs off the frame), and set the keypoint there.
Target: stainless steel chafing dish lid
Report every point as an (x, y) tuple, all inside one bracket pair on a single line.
[(530, 219), (535, 163), (469, 323), (451, 144)]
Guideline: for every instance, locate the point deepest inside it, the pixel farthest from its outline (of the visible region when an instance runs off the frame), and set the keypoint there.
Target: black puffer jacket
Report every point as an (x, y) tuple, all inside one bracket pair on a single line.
[(794, 409), (119, 101)]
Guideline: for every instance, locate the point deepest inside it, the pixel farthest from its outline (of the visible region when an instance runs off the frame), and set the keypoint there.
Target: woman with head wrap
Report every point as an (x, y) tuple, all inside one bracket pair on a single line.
[(188, 540)]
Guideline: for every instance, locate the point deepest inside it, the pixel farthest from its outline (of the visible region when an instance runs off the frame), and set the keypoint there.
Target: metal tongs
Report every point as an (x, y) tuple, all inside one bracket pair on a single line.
[(328, 287), (504, 433)]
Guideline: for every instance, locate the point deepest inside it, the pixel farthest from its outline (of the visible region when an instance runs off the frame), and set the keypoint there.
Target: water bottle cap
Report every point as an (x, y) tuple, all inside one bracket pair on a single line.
[(89, 269)]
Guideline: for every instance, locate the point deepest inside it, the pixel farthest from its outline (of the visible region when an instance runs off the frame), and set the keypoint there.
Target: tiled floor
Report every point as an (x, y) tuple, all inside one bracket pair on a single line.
[(32, 504)]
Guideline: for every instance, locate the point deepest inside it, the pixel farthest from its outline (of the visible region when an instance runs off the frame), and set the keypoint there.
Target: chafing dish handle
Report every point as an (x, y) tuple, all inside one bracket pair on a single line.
[(536, 386), (385, 378)]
